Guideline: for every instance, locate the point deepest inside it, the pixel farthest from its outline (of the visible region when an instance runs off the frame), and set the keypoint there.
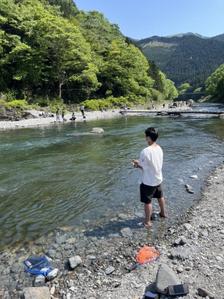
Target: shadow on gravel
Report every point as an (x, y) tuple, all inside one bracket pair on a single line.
[(114, 227)]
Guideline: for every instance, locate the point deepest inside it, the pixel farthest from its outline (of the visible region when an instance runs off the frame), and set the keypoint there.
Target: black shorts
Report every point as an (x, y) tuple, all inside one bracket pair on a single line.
[(149, 192)]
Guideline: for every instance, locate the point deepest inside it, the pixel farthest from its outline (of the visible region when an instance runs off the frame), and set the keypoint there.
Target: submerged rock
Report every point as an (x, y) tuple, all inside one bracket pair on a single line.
[(97, 130)]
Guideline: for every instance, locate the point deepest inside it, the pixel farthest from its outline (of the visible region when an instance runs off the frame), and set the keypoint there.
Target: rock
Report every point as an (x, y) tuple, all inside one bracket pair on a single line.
[(39, 281), (52, 274), (52, 291), (180, 253), (180, 269), (51, 253), (61, 239), (180, 241), (188, 226), (194, 176), (126, 232), (71, 241), (109, 270), (189, 189), (204, 293), (97, 130), (165, 277), (37, 293), (74, 261)]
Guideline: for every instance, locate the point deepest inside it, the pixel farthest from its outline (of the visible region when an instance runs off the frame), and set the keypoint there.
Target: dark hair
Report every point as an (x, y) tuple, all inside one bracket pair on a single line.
[(152, 133)]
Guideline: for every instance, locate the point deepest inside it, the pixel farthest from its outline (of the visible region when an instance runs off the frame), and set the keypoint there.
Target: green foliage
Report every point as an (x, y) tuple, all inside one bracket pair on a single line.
[(215, 84), (111, 102), (198, 90), (184, 87), (66, 7), (21, 104), (49, 49)]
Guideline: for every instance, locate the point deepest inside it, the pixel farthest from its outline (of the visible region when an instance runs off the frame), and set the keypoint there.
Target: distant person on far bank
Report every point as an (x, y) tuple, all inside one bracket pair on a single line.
[(82, 109), (63, 115), (57, 115), (150, 163)]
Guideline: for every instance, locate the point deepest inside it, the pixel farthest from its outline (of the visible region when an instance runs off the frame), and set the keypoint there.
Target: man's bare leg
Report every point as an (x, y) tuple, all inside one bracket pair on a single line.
[(161, 202), (148, 214)]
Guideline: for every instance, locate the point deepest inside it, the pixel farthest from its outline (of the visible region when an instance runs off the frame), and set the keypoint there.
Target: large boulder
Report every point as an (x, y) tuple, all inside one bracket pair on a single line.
[(97, 130), (164, 278), (37, 293)]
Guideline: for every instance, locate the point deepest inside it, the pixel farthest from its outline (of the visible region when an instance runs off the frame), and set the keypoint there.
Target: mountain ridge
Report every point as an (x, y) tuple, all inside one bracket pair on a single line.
[(185, 57)]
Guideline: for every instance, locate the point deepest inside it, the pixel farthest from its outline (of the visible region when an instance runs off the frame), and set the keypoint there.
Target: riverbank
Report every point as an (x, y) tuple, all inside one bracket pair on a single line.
[(38, 118), (107, 257)]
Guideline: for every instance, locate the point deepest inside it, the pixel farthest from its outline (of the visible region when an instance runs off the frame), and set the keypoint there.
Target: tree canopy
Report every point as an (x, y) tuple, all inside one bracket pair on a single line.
[(215, 84), (51, 49)]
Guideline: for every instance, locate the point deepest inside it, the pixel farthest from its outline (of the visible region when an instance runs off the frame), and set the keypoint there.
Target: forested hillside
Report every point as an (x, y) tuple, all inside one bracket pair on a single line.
[(185, 57), (50, 49)]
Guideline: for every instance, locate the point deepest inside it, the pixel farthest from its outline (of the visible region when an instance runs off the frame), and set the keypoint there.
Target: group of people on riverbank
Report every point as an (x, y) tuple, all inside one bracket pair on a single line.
[(60, 114)]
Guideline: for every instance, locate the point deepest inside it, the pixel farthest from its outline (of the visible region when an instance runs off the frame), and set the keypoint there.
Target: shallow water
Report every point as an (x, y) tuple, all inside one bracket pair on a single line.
[(58, 176)]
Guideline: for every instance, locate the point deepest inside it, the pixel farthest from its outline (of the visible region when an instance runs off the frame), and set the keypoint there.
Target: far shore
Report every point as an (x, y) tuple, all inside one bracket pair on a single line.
[(39, 121)]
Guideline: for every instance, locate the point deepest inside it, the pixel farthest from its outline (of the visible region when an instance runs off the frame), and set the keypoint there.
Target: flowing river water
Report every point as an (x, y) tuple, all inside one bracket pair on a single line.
[(60, 176)]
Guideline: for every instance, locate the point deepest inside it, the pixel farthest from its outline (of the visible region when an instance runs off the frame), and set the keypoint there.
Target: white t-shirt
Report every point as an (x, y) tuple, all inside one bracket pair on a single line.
[(151, 161)]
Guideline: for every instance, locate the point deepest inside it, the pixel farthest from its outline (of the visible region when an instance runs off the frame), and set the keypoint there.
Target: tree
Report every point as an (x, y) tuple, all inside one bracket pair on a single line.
[(215, 83)]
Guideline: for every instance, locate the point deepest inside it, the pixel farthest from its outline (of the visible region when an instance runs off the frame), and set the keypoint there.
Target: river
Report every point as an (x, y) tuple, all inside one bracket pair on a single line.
[(59, 176)]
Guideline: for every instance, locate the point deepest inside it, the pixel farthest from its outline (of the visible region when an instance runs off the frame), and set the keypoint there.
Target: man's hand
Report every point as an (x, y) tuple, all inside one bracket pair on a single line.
[(135, 163)]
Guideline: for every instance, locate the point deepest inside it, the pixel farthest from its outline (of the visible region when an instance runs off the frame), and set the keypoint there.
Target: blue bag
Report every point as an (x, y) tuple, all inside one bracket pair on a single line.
[(38, 266)]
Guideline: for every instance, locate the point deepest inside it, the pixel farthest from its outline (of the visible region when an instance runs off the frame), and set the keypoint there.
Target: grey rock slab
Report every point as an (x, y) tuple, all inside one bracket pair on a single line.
[(37, 293), (74, 261), (165, 277), (126, 232)]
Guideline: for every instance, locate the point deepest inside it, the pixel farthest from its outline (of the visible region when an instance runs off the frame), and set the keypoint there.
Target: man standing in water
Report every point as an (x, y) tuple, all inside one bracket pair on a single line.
[(151, 162)]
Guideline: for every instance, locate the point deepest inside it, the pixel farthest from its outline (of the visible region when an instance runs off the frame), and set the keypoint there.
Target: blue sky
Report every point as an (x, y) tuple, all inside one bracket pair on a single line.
[(144, 18)]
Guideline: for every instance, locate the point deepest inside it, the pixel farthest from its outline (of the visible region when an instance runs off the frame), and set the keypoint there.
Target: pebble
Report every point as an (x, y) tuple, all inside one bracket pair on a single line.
[(109, 270), (194, 176)]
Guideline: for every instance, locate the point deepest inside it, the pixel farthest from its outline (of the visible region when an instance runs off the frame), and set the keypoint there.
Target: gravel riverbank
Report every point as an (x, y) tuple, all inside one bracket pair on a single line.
[(39, 121), (35, 118), (194, 249)]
